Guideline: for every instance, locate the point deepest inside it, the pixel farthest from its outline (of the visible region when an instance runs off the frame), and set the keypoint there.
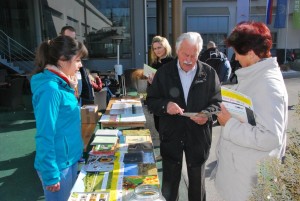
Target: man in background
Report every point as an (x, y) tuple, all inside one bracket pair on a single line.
[(86, 95), (218, 60), (68, 31)]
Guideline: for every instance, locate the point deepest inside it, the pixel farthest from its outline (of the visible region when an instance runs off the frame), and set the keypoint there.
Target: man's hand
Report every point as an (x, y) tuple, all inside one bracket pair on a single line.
[(173, 108), (54, 188), (200, 118)]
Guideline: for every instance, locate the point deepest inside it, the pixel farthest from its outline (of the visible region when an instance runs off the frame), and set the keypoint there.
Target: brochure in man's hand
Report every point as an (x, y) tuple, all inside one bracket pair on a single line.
[(148, 70), (239, 105)]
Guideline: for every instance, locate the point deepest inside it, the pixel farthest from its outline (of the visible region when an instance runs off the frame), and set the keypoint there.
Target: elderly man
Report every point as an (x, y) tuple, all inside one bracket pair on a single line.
[(185, 93)]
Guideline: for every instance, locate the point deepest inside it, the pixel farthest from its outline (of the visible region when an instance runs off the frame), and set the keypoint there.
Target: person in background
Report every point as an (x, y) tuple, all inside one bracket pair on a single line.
[(96, 82), (161, 53), (68, 31), (87, 93), (58, 132), (235, 65), (218, 60), (179, 88), (241, 145)]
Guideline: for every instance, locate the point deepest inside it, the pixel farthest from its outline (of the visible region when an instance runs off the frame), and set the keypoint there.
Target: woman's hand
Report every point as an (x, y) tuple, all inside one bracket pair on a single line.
[(54, 188), (223, 116), (150, 78)]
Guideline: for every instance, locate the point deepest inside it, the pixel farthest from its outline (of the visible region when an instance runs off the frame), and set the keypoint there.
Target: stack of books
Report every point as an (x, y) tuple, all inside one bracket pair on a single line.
[(105, 141)]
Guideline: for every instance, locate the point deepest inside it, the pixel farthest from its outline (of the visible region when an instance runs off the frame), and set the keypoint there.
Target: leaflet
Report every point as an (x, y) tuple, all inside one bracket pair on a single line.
[(148, 70), (239, 105)]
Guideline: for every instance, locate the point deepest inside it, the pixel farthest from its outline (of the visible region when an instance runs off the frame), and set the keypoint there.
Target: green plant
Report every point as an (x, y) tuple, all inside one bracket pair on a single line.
[(280, 180)]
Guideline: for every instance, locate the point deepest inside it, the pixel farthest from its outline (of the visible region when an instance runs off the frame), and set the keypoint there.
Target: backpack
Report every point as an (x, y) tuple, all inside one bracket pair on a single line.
[(220, 63)]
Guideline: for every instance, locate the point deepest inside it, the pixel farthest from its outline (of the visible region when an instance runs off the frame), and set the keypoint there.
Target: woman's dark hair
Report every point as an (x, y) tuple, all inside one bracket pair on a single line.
[(60, 48), (251, 35)]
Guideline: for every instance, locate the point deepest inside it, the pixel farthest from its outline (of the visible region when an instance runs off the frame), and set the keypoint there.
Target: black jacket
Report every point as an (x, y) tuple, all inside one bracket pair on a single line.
[(87, 93), (158, 64), (179, 133)]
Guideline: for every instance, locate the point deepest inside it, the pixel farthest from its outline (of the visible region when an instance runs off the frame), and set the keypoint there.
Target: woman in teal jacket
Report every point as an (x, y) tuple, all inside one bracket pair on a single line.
[(58, 139)]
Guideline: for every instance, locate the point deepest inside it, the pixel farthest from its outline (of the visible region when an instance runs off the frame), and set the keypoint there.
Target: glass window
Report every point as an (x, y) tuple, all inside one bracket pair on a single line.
[(103, 42), (100, 24)]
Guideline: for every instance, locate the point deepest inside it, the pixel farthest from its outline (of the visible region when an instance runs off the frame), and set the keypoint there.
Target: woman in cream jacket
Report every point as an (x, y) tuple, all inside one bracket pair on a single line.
[(241, 145)]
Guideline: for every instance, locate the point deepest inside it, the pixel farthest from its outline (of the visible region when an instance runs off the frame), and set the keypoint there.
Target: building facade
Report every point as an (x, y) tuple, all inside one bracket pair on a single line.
[(214, 20), (101, 24)]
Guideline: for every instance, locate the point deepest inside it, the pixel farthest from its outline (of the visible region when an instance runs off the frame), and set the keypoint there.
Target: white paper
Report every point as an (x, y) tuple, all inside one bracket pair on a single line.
[(107, 132), (189, 114), (148, 70), (238, 104)]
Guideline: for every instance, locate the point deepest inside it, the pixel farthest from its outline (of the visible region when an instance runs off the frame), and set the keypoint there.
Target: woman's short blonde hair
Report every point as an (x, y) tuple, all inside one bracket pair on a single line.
[(164, 42)]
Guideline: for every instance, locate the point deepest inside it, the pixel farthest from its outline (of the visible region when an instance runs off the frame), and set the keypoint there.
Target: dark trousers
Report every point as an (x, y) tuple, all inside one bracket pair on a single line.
[(171, 180)]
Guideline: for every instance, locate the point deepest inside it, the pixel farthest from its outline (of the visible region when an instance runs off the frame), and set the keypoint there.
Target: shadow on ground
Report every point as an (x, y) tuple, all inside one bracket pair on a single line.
[(16, 120), (21, 181)]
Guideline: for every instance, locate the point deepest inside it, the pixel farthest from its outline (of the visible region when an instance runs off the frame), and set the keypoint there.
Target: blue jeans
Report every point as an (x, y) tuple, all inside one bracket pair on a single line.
[(68, 177)]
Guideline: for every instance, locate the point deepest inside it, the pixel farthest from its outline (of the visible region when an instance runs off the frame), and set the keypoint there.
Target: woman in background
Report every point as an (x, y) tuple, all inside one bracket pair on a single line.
[(161, 53), (58, 139), (241, 146)]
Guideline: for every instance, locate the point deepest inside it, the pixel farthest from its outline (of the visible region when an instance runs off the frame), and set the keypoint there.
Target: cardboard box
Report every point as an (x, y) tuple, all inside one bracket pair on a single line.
[(89, 114)]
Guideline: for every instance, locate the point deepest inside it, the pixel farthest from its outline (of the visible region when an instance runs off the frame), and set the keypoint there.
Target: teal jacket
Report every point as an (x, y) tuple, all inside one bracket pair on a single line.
[(58, 127)]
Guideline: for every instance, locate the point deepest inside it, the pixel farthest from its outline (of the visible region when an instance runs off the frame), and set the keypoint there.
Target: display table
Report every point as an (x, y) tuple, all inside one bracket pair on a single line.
[(113, 174), (132, 164)]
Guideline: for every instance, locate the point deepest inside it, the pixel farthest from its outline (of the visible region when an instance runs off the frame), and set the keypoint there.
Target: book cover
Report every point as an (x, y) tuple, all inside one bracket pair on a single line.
[(132, 117), (107, 132), (148, 157), (104, 140), (131, 182), (99, 163), (126, 108), (97, 181), (142, 146), (133, 157), (136, 132), (140, 169), (137, 139), (109, 118), (75, 196), (108, 149)]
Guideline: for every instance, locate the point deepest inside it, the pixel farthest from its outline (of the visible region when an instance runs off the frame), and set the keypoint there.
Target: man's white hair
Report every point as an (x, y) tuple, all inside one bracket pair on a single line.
[(193, 38)]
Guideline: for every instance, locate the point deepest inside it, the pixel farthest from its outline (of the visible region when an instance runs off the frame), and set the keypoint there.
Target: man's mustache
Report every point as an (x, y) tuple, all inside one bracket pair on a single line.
[(187, 63)]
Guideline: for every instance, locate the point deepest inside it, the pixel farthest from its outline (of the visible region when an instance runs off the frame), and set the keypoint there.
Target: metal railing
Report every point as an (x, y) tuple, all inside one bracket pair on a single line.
[(15, 53)]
